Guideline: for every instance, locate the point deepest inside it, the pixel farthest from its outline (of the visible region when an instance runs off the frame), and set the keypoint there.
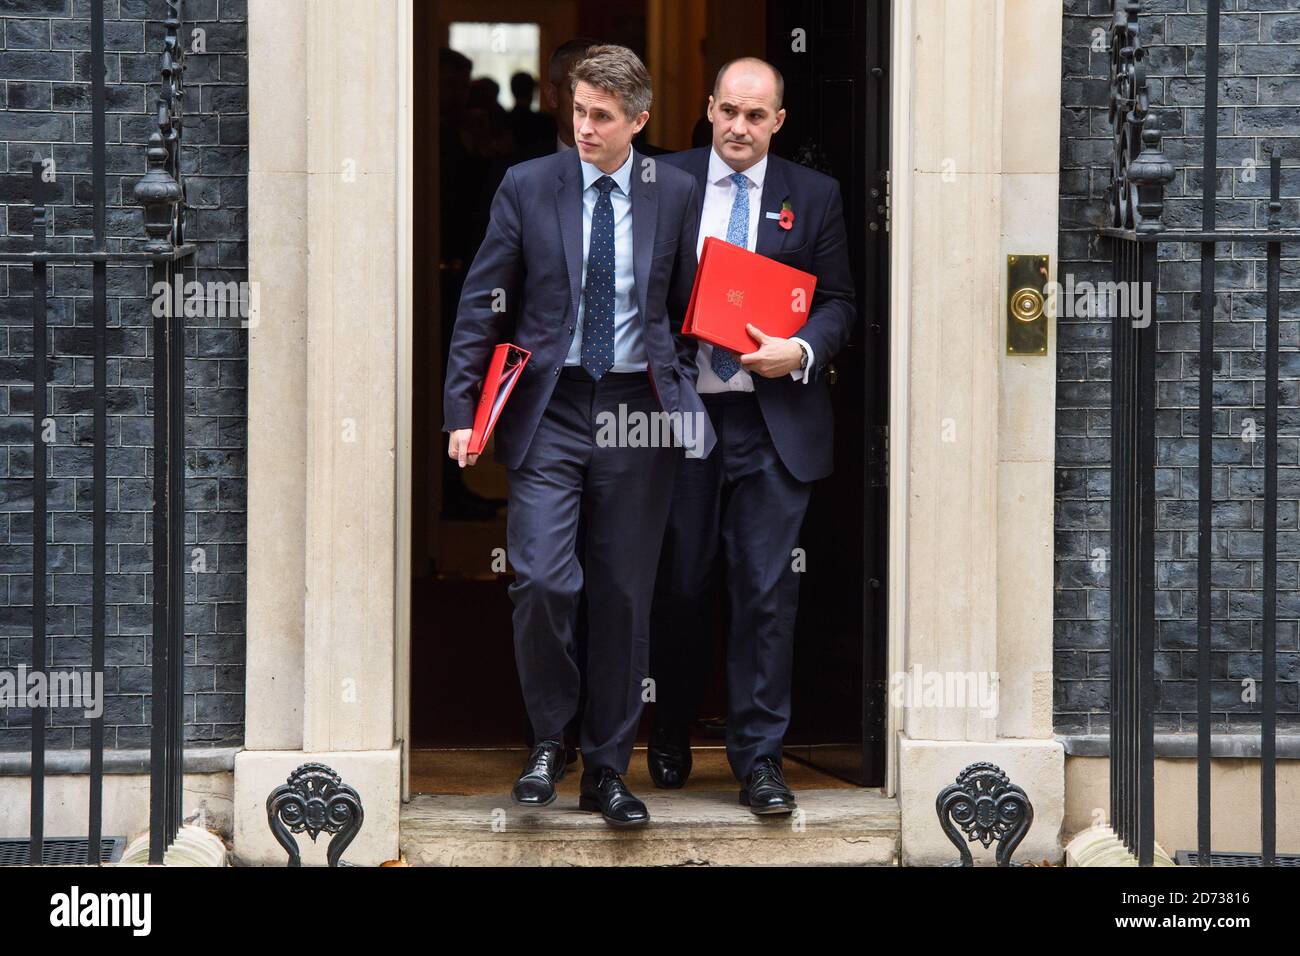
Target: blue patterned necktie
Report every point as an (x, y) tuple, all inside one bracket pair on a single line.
[(598, 316), (724, 362)]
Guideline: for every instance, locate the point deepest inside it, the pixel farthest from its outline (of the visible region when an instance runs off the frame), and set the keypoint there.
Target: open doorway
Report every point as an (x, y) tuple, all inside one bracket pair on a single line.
[(466, 707)]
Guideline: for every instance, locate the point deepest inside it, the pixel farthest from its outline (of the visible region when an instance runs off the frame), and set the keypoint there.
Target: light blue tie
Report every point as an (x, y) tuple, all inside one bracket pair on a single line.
[(724, 362)]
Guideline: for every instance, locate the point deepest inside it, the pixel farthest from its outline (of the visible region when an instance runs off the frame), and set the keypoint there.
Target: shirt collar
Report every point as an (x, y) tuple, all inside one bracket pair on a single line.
[(719, 171), (622, 176)]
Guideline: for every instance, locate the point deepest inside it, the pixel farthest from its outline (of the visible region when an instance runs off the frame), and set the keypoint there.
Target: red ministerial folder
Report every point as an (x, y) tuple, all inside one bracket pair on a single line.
[(734, 286), (503, 374)]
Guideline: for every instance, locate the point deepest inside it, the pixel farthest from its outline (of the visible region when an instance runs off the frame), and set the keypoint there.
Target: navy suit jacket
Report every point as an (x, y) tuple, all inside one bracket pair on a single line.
[(525, 284), (798, 414)]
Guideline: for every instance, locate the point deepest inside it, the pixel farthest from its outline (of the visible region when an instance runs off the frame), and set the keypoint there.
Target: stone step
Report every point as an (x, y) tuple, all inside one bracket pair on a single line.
[(702, 828)]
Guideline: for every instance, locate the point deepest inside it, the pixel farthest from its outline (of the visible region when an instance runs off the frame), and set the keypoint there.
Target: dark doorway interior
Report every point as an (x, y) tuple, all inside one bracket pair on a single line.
[(464, 690)]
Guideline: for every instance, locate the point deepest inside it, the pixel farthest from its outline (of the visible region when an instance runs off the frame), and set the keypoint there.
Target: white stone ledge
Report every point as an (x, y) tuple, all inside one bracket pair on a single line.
[(196, 760), (1244, 746)]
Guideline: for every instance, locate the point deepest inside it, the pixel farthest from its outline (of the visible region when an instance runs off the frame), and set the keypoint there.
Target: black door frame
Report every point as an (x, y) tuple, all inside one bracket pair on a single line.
[(876, 386), (870, 247)]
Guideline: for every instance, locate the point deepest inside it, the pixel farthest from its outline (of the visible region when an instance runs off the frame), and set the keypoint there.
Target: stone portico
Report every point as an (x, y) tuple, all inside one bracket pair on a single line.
[(976, 101)]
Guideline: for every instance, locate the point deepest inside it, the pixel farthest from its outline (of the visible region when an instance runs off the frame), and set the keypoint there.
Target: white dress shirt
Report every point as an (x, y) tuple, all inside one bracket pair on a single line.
[(715, 217), (629, 347)]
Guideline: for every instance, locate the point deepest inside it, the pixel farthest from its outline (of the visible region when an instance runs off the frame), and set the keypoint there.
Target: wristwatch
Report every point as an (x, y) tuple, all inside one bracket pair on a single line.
[(803, 357)]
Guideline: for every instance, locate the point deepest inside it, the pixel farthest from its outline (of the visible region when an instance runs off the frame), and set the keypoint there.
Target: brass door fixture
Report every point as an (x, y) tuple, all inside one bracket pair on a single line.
[(1027, 277)]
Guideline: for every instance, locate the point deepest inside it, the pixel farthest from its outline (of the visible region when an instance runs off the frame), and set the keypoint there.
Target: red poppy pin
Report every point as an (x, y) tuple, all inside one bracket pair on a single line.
[(787, 216)]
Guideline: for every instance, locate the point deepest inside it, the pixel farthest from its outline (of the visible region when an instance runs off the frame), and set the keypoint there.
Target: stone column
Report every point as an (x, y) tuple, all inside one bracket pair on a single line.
[(324, 98), (277, 377), (980, 143)]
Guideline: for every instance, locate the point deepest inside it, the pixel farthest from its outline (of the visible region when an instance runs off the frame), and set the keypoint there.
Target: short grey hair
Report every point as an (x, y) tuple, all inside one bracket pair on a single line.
[(617, 70), (752, 61)]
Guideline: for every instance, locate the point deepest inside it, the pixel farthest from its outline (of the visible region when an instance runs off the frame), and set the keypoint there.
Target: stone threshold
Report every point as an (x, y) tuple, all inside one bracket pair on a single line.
[(843, 827)]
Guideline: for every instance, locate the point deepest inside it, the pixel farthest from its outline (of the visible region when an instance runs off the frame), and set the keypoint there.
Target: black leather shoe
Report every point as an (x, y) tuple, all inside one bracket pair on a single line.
[(669, 758), (544, 769), (765, 791), (604, 791)]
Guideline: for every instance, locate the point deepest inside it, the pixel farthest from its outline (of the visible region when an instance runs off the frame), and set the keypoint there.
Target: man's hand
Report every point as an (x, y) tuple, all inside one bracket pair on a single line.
[(775, 356), (458, 442)]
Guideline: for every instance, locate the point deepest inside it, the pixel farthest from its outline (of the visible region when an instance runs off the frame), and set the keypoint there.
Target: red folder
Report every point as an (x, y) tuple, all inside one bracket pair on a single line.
[(734, 286), (503, 374)]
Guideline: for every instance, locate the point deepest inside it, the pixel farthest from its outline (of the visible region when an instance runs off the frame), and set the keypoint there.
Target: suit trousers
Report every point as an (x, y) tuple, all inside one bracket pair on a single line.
[(618, 495), (743, 502)]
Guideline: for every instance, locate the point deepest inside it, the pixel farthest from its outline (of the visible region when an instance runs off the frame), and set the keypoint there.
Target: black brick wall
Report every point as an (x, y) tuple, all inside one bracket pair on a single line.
[(1259, 107), (45, 91)]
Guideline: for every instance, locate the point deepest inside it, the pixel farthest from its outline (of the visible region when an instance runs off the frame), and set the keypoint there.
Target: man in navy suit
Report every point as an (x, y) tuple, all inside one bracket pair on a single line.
[(771, 409), (588, 263)]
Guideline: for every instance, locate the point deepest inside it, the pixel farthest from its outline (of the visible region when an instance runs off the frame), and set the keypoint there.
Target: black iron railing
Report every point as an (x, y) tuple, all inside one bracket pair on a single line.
[(1140, 173), (162, 259)]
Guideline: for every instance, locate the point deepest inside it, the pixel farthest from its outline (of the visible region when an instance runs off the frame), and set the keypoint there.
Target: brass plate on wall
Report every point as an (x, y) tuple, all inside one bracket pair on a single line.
[(1027, 277)]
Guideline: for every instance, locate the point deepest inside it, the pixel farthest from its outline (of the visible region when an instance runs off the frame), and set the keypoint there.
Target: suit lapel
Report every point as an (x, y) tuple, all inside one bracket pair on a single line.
[(771, 237), (568, 202), (645, 216)]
